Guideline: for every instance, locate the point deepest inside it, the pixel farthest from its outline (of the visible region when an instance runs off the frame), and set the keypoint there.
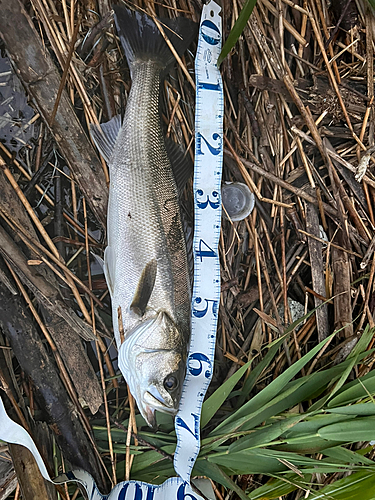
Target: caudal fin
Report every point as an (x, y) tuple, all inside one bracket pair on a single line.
[(141, 38)]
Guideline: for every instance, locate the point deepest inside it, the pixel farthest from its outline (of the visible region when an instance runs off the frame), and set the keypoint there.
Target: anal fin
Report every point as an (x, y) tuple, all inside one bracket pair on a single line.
[(182, 166)]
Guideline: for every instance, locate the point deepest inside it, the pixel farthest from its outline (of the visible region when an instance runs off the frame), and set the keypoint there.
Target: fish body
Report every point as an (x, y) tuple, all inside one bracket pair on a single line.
[(145, 261)]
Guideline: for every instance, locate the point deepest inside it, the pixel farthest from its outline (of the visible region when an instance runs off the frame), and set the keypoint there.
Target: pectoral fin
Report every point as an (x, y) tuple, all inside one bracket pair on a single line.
[(109, 268), (144, 289), (105, 136)]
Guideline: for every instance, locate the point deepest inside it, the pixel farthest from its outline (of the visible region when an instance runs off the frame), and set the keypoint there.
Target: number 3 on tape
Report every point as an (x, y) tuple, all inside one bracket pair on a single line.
[(206, 291)]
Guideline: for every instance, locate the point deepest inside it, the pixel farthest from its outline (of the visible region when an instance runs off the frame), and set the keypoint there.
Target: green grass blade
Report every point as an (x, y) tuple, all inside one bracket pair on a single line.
[(361, 346), (214, 402), (311, 426), (354, 391), (273, 347), (357, 486), (213, 471), (321, 403), (277, 487), (258, 370), (271, 391), (308, 445), (356, 409), (344, 455), (358, 429), (266, 461), (237, 29), (264, 435), (363, 342)]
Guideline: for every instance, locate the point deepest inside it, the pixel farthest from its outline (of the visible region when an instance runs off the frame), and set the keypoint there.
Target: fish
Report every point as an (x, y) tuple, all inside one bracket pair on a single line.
[(145, 261)]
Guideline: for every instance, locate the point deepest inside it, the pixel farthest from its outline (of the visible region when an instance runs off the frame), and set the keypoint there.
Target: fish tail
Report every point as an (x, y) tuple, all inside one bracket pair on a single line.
[(141, 38)]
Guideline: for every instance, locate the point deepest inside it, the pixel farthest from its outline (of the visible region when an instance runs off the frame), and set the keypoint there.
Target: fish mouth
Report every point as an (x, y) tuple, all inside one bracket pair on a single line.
[(149, 416), (152, 401)]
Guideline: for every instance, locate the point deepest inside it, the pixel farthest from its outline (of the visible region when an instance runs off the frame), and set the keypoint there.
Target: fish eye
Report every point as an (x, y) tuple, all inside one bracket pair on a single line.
[(170, 383)]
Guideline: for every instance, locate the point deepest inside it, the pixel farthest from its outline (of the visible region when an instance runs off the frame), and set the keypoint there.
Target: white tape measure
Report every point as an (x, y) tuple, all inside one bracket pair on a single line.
[(206, 291), (209, 111)]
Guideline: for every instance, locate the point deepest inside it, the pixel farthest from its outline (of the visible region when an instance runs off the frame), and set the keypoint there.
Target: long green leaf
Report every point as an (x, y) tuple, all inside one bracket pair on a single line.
[(277, 487), (312, 424), (359, 429), (150, 459), (343, 455), (321, 403), (353, 357), (272, 390), (356, 409), (354, 391), (307, 445), (237, 29), (258, 370), (213, 471), (213, 403), (358, 486), (265, 461), (264, 435)]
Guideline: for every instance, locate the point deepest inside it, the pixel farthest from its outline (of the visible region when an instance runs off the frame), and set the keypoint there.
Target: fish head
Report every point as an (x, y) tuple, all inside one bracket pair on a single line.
[(157, 365), (160, 384)]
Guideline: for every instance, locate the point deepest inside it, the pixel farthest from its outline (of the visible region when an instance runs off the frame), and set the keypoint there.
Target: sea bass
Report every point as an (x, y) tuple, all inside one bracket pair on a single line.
[(145, 262)]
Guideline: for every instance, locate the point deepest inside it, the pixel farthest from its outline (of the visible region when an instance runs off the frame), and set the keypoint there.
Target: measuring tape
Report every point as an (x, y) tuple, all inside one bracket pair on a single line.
[(206, 290), (209, 110)]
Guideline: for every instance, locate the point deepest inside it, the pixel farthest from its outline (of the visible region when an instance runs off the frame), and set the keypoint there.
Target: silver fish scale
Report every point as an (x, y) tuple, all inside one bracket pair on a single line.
[(144, 221)]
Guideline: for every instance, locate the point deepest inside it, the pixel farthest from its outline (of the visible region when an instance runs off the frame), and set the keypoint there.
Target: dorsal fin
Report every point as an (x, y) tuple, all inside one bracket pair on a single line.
[(105, 136), (144, 289)]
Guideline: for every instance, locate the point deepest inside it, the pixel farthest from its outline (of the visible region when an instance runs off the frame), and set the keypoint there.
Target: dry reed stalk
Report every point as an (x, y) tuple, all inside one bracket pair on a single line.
[(69, 276), (259, 274), (28, 208), (60, 364), (297, 191), (333, 80), (285, 23), (65, 72), (25, 174), (9, 393), (185, 127), (110, 444), (132, 431), (127, 444), (249, 181), (36, 247), (370, 70), (60, 48), (364, 125)]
